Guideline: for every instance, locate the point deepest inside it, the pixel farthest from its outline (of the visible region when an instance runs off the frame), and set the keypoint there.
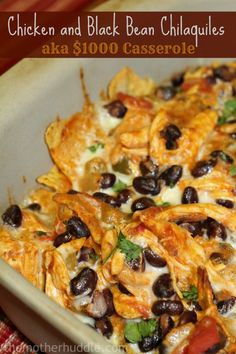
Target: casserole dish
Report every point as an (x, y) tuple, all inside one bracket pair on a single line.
[(23, 153)]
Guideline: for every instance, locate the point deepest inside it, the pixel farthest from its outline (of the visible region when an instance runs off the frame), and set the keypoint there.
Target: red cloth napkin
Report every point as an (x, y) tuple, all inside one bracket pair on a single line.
[(11, 340)]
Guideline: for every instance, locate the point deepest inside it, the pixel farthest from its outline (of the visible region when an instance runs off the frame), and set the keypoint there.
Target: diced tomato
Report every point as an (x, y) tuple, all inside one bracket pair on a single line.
[(204, 85), (185, 350), (205, 335), (138, 102), (187, 85)]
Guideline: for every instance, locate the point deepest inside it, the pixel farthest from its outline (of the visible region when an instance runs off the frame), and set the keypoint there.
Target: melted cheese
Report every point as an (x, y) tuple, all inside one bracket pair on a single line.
[(106, 121), (204, 197), (172, 195)]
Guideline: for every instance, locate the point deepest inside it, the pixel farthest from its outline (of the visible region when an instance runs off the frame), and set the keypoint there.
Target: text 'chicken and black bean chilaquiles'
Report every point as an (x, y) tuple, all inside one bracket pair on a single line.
[(135, 231)]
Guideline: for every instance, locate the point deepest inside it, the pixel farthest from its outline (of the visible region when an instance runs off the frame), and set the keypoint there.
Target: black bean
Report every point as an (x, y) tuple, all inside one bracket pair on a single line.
[(150, 343), (109, 302), (12, 216), (172, 175), (148, 168), (154, 259), (166, 92), (146, 185), (146, 344), (222, 155), (226, 305), (109, 199), (104, 326), (195, 228), (137, 264), (215, 229), (116, 109), (34, 206), (123, 196), (211, 80), (142, 203), (226, 203), (123, 289), (171, 132), (187, 317), (223, 73), (107, 180), (171, 307), (165, 324), (162, 287), (76, 227), (84, 283), (72, 191), (62, 238), (218, 258), (203, 167), (171, 145), (177, 80), (85, 253), (190, 196), (233, 135), (156, 337)]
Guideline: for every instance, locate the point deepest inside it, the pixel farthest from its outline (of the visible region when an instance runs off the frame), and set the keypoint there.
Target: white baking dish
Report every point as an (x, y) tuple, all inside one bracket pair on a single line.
[(32, 94)]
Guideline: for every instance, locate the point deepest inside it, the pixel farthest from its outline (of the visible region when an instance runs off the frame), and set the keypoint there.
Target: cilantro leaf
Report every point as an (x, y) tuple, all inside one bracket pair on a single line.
[(229, 112), (232, 171), (119, 186), (222, 120), (135, 331), (92, 148), (146, 328), (130, 249), (191, 294), (95, 147), (230, 106), (132, 332), (164, 204)]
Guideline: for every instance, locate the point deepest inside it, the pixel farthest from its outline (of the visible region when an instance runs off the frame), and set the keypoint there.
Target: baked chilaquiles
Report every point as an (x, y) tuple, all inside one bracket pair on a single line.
[(134, 227)]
